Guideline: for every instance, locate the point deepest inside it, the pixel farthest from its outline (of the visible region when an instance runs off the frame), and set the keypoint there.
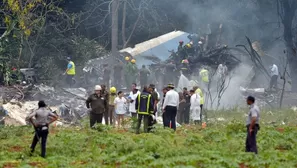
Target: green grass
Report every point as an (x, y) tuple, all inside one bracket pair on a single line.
[(221, 144)]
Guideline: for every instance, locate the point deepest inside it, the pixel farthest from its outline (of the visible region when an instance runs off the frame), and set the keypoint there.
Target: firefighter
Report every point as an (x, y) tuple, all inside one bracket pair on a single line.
[(98, 104), (130, 72), (144, 106), (143, 74), (70, 72), (199, 91), (204, 78), (111, 109), (106, 75), (185, 68), (180, 46)]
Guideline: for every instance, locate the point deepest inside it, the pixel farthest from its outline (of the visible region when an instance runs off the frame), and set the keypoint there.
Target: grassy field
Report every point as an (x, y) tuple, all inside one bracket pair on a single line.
[(221, 144)]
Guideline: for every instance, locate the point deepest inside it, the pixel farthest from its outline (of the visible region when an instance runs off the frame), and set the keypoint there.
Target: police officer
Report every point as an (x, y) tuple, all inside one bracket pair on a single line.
[(145, 107), (252, 125), (43, 118), (98, 104)]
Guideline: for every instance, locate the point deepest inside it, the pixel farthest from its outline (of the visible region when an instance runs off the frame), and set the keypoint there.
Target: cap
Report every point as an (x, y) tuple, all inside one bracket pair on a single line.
[(170, 85), (152, 86)]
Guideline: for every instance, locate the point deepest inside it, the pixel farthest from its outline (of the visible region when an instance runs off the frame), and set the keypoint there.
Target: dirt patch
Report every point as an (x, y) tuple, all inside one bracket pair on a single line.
[(16, 149), (11, 164), (37, 164), (79, 163), (242, 165), (281, 130)]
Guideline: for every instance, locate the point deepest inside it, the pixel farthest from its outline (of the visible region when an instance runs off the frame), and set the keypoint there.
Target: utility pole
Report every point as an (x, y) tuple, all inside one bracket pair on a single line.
[(115, 25)]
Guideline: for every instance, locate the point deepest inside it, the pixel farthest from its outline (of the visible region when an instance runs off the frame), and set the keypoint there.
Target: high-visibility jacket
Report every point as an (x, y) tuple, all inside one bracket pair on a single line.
[(199, 91), (71, 71), (144, 104), (204, 75)]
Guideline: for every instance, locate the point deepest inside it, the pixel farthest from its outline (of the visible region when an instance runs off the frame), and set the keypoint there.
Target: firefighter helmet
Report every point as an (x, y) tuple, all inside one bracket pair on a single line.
[(113, 90), (185, 61), (133, 61), (127, 58), (188, 45)]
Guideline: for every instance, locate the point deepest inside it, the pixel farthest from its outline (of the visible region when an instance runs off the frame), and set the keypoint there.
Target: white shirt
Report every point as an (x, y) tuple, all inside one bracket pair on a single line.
[(171, 99), (274, 70), (195, 100), (120, 105), (132, 105)]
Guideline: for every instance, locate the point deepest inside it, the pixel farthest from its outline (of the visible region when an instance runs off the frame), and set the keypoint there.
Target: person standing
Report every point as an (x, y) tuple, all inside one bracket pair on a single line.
[(105, 94), (204, 78), (145, 107), (152, 91), (70, 72), (181, 109), (111, 109), (187, 98), (252, 125), (106, 75), (164, 95), (195, 107), (43, 118), (170, 107), (132, 97), (199, 91), (98, 104), (274, 75), (120, 109), (143, 75), (117, 74)]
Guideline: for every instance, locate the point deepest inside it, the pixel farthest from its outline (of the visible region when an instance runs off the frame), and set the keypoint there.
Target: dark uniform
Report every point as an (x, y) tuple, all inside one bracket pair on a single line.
[(106, 76), (117, 75), (105, 94), (151, 119), (251, 143), (98, 104), (144, 73), (187, 97), (144, 106), (170, 74)]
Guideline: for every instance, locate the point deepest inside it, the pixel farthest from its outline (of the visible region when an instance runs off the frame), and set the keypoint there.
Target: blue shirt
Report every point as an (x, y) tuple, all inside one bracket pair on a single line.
[(69, 66)]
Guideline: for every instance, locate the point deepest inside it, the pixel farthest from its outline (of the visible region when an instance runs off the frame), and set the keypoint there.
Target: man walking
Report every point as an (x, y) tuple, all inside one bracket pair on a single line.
[(170, 106), (274, 76), (98, 104), (252, 126), (145, 107), (70, 72)]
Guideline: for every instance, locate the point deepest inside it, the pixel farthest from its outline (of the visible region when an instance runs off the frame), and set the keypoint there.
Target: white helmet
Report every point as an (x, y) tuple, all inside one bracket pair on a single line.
[(98, 87)]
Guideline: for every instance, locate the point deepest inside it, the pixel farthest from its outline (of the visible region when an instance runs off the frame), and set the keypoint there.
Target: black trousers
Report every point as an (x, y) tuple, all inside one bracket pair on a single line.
[(169, 116), (187, 114), (106, 115), (40, 134), (145, 123), (251, 141), (95, 118), (201, 108), (273, 82)]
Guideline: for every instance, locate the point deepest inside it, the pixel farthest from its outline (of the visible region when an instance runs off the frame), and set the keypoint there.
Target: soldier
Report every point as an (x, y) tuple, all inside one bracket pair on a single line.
[(144, 74), (106, 75)]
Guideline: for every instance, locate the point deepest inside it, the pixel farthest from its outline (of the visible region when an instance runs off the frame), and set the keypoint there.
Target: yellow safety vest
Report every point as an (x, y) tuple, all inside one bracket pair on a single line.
[(204, 75), (199, 91), (71, 71)]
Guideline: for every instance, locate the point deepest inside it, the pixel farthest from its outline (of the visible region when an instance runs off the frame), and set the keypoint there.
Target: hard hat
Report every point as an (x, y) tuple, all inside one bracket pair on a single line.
[(199, 42), (133, 61), (188, 45), (181, 41), (170, 85), (98, 87), (127, 58), (113, 90), (185, 61)]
